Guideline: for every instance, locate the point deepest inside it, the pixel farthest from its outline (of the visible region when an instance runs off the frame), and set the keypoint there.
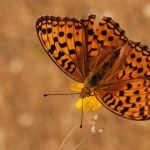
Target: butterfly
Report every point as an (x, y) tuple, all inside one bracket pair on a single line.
[(115, 68)]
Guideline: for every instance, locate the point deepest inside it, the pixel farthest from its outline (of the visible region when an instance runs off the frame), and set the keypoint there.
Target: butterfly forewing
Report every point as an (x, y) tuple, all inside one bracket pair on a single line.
[(64, 41), (137, 63), (108, 40), (88, 23)]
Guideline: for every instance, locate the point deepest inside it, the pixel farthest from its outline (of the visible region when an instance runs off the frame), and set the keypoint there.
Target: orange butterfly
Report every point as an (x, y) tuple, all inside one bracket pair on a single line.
[(116, 69)]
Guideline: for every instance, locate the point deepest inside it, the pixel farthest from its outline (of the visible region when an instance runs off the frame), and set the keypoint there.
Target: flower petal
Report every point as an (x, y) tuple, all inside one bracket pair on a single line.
[(79, 103), (89, 103), (96, 104), (76, 86)]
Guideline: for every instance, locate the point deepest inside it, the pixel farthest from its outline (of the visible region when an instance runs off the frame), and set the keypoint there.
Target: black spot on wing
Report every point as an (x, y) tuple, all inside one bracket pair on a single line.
[(132, 55), (72, 51), (44, 31), (61, 34), (60, 54), (128, 99), (55, 39), (104, 32), (62, 45), (52, 49), (136, 92), (125, 109), (64, 61), (138, 99), (70, 67), (107, 97), (78, 43), (110, 38), (121, 93), (140, 70), (69, 35), (100, 41), (129, 86), (49, 30), (78, 27), (112, 103), (120, 103), (92, 50), (90, 32), (139, 59)]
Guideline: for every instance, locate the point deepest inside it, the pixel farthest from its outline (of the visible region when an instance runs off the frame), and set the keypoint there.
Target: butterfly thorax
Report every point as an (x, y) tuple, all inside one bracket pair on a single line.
[(90, 84), (93, 80)]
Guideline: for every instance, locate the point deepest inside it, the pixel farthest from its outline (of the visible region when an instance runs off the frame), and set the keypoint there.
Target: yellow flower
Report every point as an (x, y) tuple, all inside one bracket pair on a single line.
[(89, 103)]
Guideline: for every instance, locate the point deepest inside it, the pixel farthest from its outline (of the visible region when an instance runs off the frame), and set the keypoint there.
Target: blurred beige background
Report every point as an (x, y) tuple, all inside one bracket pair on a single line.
[(30, 122)]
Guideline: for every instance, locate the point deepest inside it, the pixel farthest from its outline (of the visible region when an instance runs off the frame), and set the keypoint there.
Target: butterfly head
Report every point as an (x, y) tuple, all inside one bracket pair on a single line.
[(85, 92)]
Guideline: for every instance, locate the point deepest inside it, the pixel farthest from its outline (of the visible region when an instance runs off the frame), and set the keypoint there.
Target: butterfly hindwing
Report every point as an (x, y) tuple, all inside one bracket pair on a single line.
[(130, 99)]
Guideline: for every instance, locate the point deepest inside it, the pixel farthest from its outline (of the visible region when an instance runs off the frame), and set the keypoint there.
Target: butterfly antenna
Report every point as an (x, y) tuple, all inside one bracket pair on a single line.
[(81, 115), (61, 94)]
